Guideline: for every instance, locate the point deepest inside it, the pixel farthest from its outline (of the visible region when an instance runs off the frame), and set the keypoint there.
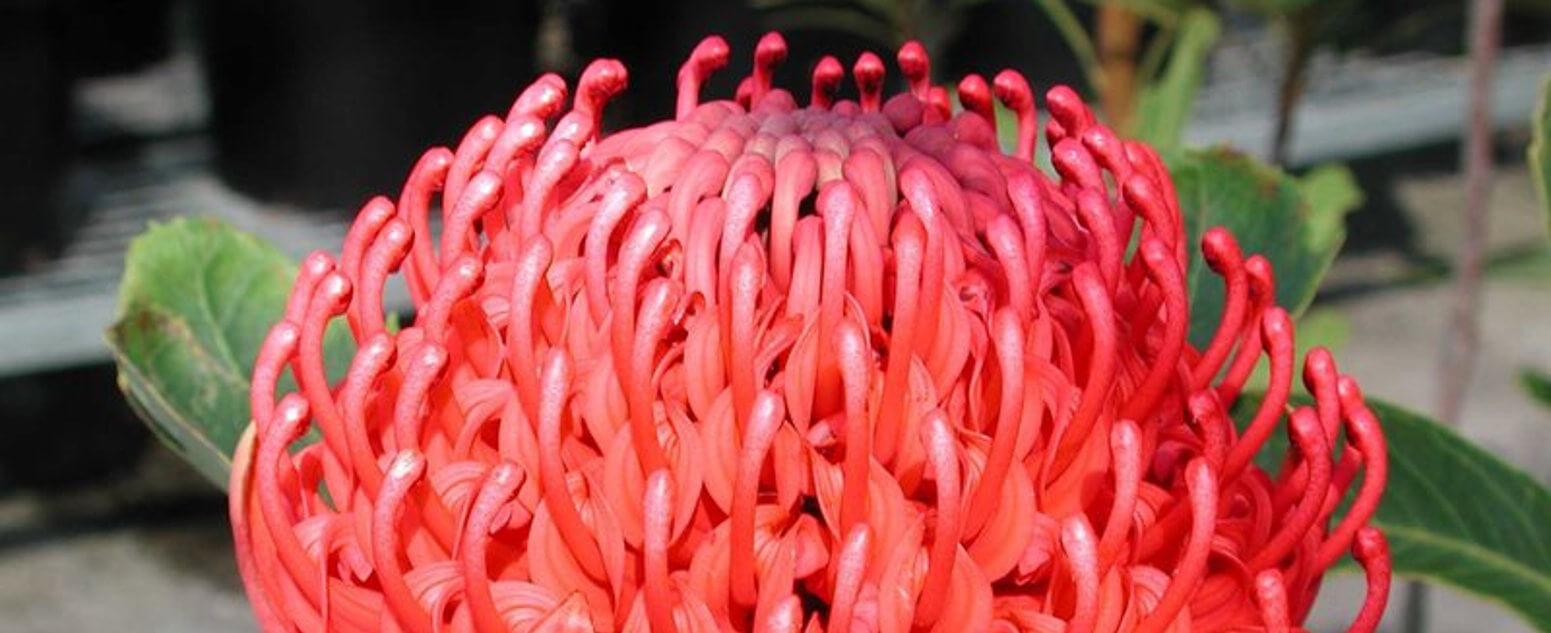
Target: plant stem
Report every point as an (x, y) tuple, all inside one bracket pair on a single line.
[(1119, 39), (1300, 27), (1462, 337)]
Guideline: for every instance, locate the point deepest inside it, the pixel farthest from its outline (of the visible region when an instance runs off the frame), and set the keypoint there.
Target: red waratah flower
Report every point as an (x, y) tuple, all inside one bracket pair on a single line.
[(842, 367)]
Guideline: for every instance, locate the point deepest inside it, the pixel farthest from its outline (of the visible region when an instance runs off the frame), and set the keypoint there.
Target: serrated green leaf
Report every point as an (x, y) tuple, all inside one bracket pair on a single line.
[(1164, 106), (1296, 224), (1456, 514), (1540, 149), (196, 301), (1537, 384)]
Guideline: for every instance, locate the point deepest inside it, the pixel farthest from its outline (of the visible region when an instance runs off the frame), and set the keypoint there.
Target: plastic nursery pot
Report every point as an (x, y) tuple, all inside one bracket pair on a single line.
[(316, 103), (33, 140)]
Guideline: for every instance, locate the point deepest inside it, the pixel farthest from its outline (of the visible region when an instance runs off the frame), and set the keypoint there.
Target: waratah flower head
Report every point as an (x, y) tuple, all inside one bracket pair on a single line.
[(771, 367)]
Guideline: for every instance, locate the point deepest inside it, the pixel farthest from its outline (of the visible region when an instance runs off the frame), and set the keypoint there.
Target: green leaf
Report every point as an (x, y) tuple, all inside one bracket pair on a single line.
[(1296, 224), (1164, 106), (1456, 514), (1540, 149), (1537, 383), (1332, 192), (197, 300), (1532, 264)]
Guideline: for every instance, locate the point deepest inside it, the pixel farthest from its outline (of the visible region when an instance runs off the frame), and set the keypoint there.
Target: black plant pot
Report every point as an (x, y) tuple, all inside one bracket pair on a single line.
[(107, 37), (321, 104), (33, 140), (67, 428), (654, 38)]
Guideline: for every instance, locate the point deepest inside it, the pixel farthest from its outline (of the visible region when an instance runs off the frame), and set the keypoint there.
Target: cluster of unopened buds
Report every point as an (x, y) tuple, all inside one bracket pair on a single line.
[(770, 367)]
